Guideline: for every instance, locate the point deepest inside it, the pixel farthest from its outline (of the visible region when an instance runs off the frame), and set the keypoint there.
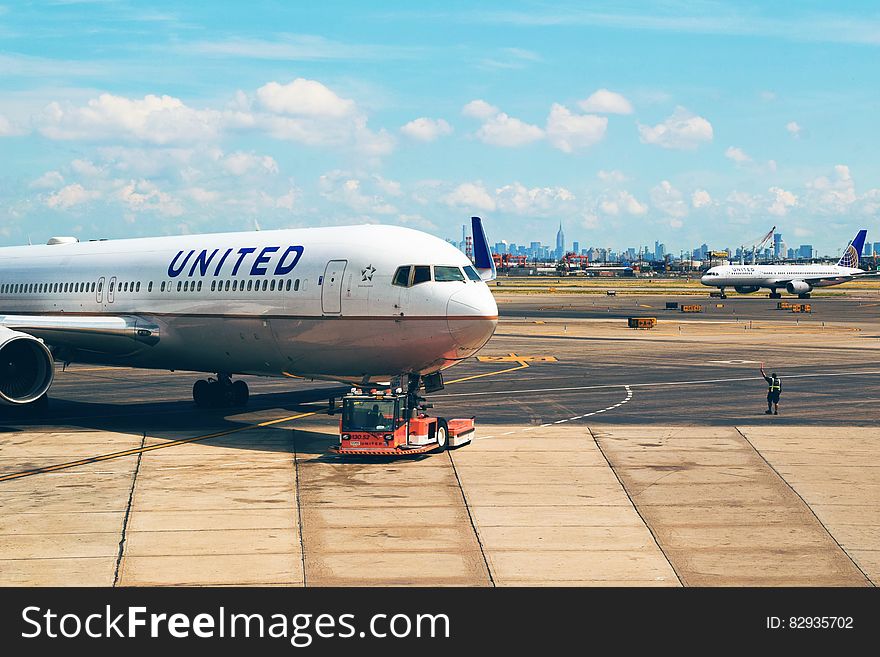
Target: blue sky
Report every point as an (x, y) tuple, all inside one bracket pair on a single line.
[(686, 122)]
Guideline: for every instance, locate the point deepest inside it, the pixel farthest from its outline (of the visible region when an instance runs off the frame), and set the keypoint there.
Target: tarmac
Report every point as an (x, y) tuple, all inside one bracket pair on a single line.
[(605, 456)]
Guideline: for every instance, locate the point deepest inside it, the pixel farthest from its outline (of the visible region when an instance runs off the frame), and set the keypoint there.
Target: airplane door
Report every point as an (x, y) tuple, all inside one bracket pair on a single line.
[(110, 290), (331, 287)]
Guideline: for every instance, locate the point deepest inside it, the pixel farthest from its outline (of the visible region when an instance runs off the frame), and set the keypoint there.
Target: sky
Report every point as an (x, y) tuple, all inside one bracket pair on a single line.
[(629, 122)]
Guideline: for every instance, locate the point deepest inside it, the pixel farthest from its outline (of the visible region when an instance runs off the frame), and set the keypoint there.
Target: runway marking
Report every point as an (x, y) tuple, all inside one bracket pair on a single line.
[(629, 395), (150, 448), (523, 364), (653, 384)]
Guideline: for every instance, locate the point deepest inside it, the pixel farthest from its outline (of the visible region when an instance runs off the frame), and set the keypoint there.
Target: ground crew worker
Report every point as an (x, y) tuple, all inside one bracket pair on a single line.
[(774, 389)]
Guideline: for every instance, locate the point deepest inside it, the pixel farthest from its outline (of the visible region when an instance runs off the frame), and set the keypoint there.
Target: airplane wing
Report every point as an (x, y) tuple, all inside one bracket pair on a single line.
[(482, 256), (103, 334)]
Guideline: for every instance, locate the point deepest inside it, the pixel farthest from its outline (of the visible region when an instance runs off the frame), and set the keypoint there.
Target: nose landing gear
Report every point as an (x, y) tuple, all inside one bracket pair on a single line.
[(221, 391)]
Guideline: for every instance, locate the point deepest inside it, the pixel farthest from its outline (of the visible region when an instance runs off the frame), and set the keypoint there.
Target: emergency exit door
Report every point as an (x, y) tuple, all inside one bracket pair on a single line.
[(331, 287)]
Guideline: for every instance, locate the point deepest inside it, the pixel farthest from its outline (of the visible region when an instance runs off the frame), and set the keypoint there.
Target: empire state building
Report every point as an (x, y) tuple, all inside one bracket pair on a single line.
[(560, 243)]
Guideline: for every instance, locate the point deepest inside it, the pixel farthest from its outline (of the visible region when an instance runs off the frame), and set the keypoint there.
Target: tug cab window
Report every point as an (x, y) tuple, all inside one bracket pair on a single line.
[(447, 274)]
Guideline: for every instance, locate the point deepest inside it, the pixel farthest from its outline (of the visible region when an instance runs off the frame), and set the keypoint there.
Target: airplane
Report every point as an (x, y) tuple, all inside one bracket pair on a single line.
[(358, 304), (796, 279)]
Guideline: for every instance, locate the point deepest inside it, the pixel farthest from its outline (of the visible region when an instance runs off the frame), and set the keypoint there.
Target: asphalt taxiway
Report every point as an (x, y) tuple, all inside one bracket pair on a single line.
[(605, 456)]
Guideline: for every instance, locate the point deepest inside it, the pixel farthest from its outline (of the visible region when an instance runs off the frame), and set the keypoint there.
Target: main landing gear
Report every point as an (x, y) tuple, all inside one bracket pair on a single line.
[(221, 391), (775, 295)]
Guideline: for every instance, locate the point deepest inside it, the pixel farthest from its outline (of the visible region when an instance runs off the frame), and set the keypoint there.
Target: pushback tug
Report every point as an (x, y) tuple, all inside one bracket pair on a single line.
[(392, 422)]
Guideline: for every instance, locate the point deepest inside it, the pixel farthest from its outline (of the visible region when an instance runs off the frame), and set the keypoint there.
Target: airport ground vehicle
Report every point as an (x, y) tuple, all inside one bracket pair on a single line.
[(392, 422)]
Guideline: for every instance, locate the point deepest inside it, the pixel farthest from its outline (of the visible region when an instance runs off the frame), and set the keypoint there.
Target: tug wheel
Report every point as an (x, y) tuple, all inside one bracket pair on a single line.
[(442, 435)]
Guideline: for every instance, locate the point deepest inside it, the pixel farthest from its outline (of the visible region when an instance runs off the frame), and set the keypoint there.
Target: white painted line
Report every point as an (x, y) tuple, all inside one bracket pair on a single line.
[(654, 385)]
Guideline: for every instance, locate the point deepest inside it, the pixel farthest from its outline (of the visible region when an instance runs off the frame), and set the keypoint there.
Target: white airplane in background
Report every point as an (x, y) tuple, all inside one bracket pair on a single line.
[(796, 279), (358, 304)]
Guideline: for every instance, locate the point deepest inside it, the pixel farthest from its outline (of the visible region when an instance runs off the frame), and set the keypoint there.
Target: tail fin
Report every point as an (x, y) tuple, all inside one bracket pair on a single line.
[(482, 256), (853, 251)]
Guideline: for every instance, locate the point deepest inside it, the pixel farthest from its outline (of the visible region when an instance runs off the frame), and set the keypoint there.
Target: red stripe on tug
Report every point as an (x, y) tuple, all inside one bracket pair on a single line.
[(392, 423)]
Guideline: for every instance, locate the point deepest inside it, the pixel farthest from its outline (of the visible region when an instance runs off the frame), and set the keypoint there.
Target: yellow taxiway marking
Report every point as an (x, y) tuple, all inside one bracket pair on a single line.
[(150, 448), (522, 360), (75, 370), (513, 358)]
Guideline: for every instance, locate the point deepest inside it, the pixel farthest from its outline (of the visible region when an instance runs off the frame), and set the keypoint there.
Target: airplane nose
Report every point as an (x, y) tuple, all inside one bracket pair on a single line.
[(472, 315)]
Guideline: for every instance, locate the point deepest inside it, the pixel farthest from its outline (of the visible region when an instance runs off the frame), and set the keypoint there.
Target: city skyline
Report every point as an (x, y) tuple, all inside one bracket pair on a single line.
[(774, 247), (683, 122)]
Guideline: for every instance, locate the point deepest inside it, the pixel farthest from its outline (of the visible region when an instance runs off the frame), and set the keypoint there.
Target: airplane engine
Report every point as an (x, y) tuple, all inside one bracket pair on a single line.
[(27, 368), (746, 289), (798, 287)]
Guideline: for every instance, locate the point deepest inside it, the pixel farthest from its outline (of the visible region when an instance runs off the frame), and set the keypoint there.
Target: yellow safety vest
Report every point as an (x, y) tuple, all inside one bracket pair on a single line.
[(775, 386)]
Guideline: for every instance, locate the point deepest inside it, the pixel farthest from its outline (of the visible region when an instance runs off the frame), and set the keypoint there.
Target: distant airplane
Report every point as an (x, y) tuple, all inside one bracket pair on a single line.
[(796, 279), (358, 304)]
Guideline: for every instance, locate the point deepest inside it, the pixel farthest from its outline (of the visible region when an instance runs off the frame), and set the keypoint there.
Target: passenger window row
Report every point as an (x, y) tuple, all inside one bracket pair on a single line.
[(286, 285), (46, 288)]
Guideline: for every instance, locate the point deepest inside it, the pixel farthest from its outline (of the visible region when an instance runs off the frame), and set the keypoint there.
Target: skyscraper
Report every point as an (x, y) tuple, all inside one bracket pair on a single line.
[(560, 243), (778, 248)]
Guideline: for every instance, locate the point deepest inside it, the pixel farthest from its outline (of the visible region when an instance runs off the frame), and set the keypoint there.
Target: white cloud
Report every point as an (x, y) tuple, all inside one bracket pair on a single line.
[(700, 198), (86, 168), (472, 196), (390, 187), (425, 129), (153, 119), (287, 201), (832, 195), (201, 195), (568, 132), (304, 97), (506, 131), (606, 102), (782, 201), (794, 129), (622, 203), (519, 199), (145, 196), (340, 186), (240, 163), (738, 155), (72, 195), (479, 109), (740, 206), (669, 200), (681, 131), (613, 176), (49, 180), (8, 128)]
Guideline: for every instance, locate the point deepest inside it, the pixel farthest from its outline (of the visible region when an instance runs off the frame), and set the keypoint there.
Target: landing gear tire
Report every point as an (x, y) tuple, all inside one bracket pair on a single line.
[(202, 393), (442, 436), (240, 393), (804, 296), (776, 295)]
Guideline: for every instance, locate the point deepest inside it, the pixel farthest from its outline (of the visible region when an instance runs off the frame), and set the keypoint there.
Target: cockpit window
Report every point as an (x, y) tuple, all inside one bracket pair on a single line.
[(422, 274), (446, 274), (472, 273), (401, 277)]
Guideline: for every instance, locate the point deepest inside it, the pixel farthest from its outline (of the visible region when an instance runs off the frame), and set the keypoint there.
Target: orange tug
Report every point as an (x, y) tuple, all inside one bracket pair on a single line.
[(393, 423)]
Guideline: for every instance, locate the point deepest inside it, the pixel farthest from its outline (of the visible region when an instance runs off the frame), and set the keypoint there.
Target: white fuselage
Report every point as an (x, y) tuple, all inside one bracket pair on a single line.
[(314, 302), (777, 276)]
